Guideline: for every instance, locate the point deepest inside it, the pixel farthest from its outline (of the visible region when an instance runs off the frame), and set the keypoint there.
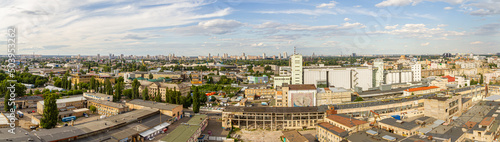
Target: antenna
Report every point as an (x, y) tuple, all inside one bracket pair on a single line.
[(294, 50)]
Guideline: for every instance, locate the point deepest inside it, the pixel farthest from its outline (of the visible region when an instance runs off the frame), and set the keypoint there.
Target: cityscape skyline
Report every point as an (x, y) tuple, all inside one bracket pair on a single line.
[(193, 28)]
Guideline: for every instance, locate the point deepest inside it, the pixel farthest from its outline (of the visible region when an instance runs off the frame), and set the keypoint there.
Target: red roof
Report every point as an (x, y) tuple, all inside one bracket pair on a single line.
[(450, 79), (331, 127), (421, 88), (349, 122)]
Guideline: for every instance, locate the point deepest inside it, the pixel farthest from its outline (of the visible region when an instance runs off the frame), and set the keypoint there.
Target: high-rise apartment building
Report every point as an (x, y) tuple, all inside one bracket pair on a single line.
[(417, 74), (296, 65), (379, 74)]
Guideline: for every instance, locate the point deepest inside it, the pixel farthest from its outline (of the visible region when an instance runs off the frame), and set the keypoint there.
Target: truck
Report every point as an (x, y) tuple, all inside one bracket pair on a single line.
[(20, 114), (69, 118)]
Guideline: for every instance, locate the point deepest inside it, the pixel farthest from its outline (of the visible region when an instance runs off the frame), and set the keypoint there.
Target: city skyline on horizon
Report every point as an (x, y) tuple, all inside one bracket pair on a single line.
[(199, 27)]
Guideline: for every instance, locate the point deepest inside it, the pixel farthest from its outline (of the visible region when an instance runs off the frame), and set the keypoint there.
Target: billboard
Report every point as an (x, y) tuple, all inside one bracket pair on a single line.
[(302, 99)]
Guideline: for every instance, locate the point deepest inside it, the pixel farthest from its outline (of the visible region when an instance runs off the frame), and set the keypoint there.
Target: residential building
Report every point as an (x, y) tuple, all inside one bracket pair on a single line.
[(296, 67), (417, 72), (261, 93), (443, 108), (293, 136), (278, 81), (254, 80)]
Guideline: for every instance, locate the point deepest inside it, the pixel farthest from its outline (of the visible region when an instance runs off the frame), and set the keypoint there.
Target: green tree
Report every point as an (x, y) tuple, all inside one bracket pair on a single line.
[(6, 102), (145, 94), (92, 108), (118, 91), (26, 69), (481, 79), (127, 93), (92, 83), (358, 99), (158, 97), (108, 87), (150, 76), (196, 101), (50, 112), (135, 89)]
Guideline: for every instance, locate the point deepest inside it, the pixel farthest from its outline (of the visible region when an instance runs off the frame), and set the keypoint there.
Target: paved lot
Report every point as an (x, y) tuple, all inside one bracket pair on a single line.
[(270, 136)]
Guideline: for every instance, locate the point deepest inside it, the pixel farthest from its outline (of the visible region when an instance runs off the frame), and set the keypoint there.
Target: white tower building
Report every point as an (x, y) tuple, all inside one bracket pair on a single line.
[(379, 75), (416, 69)]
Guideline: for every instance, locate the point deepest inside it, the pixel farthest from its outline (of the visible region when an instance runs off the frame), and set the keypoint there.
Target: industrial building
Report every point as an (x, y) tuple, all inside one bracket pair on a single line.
[(65, 104), (98, 96), (108, 108), (346, 77), (274, 118), (188, 132), (173, 110)]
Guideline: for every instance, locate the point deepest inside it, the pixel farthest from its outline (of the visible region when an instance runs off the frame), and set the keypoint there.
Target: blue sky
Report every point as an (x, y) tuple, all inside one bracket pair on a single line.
[(199, 27)]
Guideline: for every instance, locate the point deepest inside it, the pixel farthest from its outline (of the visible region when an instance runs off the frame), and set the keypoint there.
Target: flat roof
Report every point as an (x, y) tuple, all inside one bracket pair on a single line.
[(276, 109), (302, 87), (152, 104), (294, 136), (108, 103), (66, 100), (405, 125), (362, 136), (185, 131), (3, 119), (19, 136), (97, 94), (421, 88), (346, 120)]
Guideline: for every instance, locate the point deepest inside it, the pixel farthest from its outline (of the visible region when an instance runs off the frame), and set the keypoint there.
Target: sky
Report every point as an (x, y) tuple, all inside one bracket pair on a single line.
[(253, 27)]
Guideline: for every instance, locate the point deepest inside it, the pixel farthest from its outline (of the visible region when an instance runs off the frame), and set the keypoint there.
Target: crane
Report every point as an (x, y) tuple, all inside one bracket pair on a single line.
[(375, 116)]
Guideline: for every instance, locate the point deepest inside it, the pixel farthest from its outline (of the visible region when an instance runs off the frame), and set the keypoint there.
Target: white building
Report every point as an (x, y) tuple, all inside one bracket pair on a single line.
[(296, 66), (280, 80), (302, 95), (98, 96), (378, 64), (417, 72), (398, 76), (348, 78)]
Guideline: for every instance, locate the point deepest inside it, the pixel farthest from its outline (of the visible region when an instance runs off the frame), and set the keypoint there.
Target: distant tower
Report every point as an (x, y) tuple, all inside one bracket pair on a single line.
[(285, 55), (208, 56), (263, 55), (279, 57), (417, 74), (98, 56), (243, 56), (379, 75), (294, 50)]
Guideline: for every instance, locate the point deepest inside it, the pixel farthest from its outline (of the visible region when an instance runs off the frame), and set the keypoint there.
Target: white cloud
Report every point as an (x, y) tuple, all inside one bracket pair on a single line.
[(301, 11), (257, 44), (296, 27), (347, 19), (448, 8), (425, 44), (476, 42), (209, 27), (94, 25), (412, 2), (391, 27), (330, 43), (483, 8), (421, 31), (327, 5)]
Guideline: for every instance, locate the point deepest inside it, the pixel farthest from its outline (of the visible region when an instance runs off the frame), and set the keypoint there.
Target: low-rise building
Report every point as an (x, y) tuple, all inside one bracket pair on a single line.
[(404, 128), (108, 108), (443, 108), (98, 96), (172, 110), (293, 136), (261, 93), (188, 132), (65, 104), (333, 95), (420, 90), (327, 132), (278, 81), (347, 123), (301, 95)]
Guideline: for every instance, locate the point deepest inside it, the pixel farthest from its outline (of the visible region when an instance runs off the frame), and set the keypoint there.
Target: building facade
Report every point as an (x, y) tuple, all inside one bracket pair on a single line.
[(296, 67)]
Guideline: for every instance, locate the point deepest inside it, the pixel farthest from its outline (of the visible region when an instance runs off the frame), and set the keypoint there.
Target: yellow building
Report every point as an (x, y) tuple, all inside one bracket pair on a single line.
[(85, 78), (108, 108)]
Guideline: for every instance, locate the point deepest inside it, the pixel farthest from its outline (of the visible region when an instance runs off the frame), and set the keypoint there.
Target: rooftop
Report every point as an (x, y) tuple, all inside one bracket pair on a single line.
[(99, 95), (421, 88), (66, 100), (20, 135), (276, 109), (108, 103), (405, 124), (294, 136), (363, 136), (183, 132), (333, 129), (152, 104), (346, 120), (302, 87)]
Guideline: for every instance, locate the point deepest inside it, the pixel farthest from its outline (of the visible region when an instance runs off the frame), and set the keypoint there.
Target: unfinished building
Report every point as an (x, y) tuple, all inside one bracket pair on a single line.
[(274, 118)]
